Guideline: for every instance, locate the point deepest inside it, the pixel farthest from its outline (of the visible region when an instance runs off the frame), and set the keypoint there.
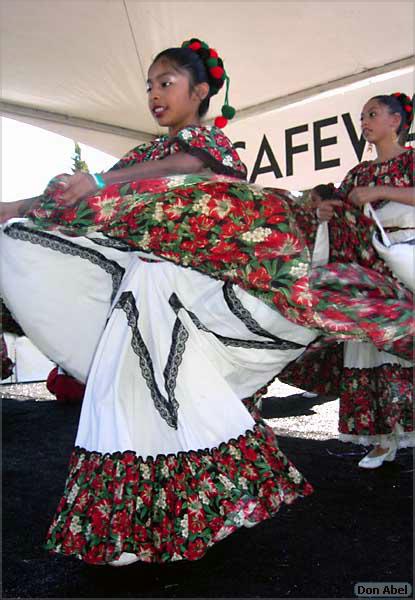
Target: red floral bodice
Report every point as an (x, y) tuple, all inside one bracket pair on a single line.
[(396, 172), (208, 144)]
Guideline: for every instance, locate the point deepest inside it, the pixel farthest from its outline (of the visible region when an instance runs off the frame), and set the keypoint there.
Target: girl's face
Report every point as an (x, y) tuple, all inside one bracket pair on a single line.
[(171, 101), (377, 123)]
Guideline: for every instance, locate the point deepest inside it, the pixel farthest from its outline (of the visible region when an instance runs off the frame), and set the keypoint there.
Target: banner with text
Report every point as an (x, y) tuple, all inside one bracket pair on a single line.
[(312, 142)]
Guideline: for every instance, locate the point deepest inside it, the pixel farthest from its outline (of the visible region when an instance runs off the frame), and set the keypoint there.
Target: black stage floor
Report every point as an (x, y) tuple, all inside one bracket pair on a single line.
[(356, 527)]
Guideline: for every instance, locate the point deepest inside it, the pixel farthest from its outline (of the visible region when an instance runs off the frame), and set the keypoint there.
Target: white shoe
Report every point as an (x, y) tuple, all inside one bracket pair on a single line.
[(126, 558), (309, 395), (373, 462)]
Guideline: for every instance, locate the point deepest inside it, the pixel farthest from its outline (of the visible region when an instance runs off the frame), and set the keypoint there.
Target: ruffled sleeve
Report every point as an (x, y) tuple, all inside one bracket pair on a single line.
[(135, 156), (349, 182), (407, 168), (211, 146)]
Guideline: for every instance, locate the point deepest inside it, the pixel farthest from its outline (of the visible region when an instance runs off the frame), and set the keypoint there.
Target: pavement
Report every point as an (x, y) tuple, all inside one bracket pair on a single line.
[(356, 527)]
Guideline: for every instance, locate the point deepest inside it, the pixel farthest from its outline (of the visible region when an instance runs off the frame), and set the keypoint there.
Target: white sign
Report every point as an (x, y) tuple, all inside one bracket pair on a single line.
[(315, 141)]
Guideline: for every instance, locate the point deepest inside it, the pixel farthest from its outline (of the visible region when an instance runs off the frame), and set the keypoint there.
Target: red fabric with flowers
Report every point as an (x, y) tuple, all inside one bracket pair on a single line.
[(231, 230), (207, 143), (167, 508), (171, 507), (365, 394)]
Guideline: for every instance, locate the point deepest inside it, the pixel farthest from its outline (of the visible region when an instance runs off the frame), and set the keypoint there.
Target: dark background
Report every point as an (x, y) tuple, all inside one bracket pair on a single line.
[(356, 527)]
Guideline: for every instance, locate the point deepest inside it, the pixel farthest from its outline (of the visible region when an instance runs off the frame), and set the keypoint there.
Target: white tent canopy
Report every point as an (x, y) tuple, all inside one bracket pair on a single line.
[(78, 67)]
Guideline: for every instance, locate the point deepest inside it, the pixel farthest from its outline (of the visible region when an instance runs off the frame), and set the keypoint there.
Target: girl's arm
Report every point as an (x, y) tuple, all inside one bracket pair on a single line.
[(17, 208), (326, 198), (81, 185), (178, 163), (362, 195)]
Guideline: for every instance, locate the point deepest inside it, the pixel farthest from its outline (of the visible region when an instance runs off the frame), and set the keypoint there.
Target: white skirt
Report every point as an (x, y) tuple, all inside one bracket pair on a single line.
[(168, 353)]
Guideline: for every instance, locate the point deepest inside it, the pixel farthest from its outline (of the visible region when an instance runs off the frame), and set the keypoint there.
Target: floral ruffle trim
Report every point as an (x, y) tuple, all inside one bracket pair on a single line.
[(171, 507), (215, 163), (390, 440)]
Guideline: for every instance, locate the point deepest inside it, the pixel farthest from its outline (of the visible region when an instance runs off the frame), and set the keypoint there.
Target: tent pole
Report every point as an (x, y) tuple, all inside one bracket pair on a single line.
[(10, 108), (19, 110)]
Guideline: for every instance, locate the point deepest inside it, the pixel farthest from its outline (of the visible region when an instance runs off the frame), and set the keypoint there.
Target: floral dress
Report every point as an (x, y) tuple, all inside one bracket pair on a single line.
[(178, 300), (374, 386)]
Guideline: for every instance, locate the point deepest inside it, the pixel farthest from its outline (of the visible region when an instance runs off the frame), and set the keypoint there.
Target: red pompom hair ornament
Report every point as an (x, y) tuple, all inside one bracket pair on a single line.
[(217, 75), (407, 105), (221, 122), (217, 72)]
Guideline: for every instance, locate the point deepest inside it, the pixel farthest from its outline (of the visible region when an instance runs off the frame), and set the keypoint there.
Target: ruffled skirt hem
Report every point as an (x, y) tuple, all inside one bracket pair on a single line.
[(388, 440), (171, 507)]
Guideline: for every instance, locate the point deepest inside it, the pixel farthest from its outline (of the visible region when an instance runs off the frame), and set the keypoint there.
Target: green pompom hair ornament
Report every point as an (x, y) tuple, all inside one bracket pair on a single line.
[(217, 75)]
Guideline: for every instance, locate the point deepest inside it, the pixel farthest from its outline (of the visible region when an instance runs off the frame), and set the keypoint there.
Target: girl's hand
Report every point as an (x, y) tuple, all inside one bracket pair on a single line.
[(8, 210), (362, 195), (325, 209), (78, 186), (16, 209)]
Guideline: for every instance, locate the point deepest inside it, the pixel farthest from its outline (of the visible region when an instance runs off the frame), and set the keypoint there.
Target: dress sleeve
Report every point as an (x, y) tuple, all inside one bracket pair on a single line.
[(348, 183), (408, 168), (132, 157), (211, 146)]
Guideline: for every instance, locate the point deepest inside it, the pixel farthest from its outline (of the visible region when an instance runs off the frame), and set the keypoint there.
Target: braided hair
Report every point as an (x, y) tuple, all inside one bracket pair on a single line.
[(403, 105), (203, 66)]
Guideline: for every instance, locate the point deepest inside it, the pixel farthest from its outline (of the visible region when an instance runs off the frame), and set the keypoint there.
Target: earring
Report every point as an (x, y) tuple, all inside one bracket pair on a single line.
[(370, 147)]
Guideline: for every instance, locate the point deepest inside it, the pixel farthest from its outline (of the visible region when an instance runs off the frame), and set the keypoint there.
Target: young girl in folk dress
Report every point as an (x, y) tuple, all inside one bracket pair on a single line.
[(178, 291), (375, 387)]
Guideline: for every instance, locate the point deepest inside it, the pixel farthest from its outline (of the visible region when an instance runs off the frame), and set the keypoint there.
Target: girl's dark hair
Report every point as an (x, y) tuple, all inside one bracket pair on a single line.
[(403, 105), (192, 62)]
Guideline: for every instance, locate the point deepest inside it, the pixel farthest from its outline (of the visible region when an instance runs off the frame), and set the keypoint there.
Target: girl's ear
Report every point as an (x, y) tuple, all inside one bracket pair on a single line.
[(201, 90), (396, 120)]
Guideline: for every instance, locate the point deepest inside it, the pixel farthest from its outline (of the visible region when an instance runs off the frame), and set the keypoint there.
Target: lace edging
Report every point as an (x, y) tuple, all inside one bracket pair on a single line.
[(254, 432)]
